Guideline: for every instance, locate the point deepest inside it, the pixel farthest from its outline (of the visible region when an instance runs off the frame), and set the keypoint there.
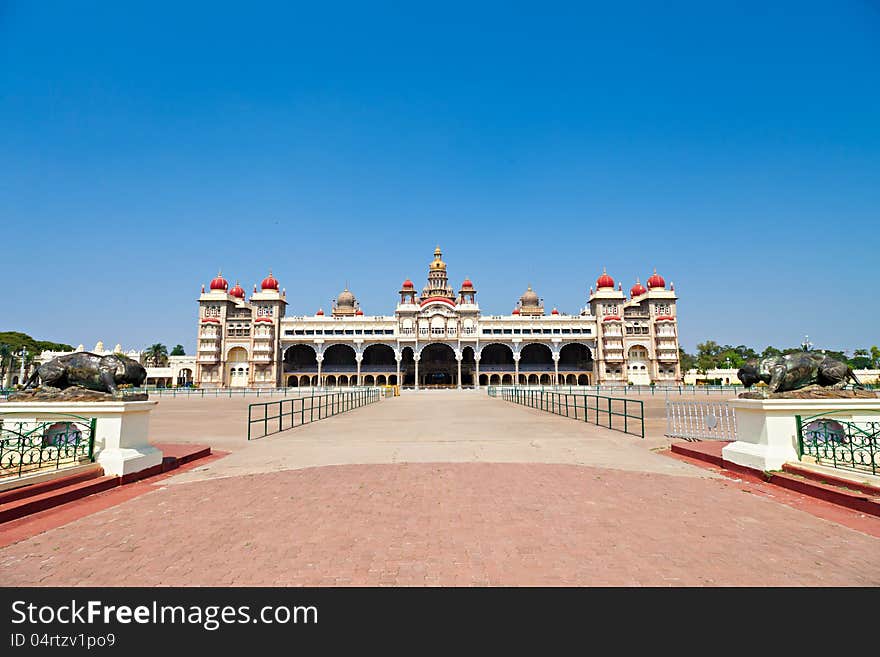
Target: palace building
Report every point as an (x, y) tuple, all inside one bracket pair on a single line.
[(437, 338)]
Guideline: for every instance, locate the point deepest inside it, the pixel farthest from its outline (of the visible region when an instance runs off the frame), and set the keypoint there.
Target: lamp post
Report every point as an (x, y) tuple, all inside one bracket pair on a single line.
[(22, 355)]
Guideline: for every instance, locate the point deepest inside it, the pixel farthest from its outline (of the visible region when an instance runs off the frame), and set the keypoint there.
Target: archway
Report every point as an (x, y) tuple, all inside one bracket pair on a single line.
[(378, 358), (576, 356), (292, 382), (583, 380), (637, 365), (342, 380), (300, 358), (533, 379), (339, 358), (496, 356), (392, 380), (437, 366), (238, 368), (305, 381), (494, 380), (571, 380), (330, 381), (507, 379), (380, 380), (535, 357), (185, 377), (484, 379), (368, 379), (545, 380)]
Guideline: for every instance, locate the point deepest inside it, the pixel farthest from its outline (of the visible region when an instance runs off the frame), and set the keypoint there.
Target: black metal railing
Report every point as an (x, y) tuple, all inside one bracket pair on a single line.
[(840, 443), (618, 413), (34, 445), (273, 417)]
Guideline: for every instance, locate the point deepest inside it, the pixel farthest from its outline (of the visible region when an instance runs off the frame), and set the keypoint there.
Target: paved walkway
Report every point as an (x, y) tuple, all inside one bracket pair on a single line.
[(443, 426), (523, 498)]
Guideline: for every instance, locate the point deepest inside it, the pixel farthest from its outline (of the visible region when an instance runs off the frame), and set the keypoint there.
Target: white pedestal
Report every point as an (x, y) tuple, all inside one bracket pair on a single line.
[(767, 432), (122, 444)]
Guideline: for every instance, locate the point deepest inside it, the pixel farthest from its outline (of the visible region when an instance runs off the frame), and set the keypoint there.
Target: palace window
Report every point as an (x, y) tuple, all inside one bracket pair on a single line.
[(662, 309), (566, 331), (368, 332), (264, 311), (212, 311), (290, 332), (527, 331)]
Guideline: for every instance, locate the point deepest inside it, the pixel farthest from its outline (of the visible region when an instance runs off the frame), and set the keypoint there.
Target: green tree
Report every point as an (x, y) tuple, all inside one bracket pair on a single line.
[(707, 356), (5, 361), (875, 357), (860, 362), (178, 350), (770, 352), (156, 354), (687, 361)]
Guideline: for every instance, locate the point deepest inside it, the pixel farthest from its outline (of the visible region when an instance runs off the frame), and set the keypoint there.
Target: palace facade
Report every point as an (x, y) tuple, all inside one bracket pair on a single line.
[(437, 338)]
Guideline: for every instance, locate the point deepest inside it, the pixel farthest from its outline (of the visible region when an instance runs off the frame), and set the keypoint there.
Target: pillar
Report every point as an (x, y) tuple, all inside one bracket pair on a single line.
[(416, 359), (358, 358), (516, 369), (458, 360), (320, 380), (397, 360), (477, 375), (556, 369)]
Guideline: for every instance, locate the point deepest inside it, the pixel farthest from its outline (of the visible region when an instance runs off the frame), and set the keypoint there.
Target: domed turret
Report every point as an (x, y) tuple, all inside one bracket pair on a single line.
[(270, 282), (237, 291), (346, 304), (530, 304), (656, 280), (219, 283), (604, 281), (320, 312), (638, 289)]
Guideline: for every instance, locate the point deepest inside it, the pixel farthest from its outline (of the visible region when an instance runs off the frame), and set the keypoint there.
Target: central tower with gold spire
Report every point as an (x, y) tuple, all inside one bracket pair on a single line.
[(438, 282)]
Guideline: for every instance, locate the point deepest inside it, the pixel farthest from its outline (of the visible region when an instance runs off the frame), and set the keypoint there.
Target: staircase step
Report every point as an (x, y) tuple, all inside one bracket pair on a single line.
[(856, 500), (52, 498), (829, 478), (30, 490)]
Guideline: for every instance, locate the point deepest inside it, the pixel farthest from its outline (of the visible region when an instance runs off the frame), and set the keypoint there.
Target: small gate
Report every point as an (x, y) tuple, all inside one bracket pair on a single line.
[(696, 420)]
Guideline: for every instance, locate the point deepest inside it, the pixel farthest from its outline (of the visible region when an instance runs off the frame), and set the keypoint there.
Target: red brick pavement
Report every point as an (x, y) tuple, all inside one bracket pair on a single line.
[(448, 524)]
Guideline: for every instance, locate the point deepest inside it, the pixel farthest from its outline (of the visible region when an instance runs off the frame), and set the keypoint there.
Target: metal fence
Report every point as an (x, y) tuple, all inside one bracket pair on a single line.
[(267, 418), (619, 413), (839, 443), (198, 393), (28, 446), (700, 420), (665, 390)]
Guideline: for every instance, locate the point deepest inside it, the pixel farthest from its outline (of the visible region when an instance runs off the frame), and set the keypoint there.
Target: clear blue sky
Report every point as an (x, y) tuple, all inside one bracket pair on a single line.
[(735, 146)]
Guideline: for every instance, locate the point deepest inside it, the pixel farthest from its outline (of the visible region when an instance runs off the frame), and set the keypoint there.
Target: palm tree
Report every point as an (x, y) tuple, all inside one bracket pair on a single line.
[(156, 354)]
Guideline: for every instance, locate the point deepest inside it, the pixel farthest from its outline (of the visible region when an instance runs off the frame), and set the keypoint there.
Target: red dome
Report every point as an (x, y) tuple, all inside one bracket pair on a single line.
[(637, 290), (604, 281), (408, 284), (656, 281), (516, 311), (320, 312), (359, 312), (270, 282), (554, 312), (219, 283), (467, 283), (237, 291)]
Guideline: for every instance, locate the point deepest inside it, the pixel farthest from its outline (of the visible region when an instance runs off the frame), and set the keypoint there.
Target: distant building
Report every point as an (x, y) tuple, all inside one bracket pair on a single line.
[(437, 337)]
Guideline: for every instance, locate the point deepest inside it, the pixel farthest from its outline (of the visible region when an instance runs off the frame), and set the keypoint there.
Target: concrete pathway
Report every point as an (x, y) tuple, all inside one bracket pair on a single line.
[(443, 427)]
